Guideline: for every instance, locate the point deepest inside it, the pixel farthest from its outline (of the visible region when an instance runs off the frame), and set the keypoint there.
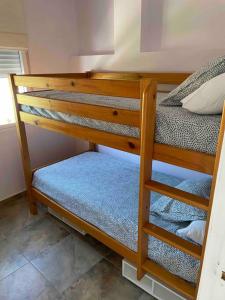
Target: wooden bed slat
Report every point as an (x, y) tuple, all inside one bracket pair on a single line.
[(180, 195), (205, 163), (116, 88), (104, 113), (174, 282), (120, 142), (173, 240), (197, 161)]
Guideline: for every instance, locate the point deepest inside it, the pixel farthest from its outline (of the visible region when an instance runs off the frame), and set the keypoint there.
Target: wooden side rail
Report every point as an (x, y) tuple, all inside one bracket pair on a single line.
[(104, 113), (87, 227), (151, 267), (124, 143), (60, 75), (162, 78), (116, 88)]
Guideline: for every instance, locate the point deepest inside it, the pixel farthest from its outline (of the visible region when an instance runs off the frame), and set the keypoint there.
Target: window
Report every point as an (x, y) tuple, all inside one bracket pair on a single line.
[(10, 62)]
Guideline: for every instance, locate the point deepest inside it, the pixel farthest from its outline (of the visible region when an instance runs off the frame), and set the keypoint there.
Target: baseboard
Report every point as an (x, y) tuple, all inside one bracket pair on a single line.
[(13, 197)]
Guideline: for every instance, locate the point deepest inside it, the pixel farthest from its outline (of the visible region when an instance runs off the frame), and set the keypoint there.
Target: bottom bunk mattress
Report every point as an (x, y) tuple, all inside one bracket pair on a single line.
[(104, 191)]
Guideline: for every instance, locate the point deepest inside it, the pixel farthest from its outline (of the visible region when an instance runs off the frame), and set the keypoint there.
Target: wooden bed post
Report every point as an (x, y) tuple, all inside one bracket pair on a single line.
[(21, 131), (92, 147), (148, 96)]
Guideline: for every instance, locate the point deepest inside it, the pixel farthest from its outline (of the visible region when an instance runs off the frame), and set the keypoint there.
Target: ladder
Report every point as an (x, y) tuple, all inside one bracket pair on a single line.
[(147, 185)]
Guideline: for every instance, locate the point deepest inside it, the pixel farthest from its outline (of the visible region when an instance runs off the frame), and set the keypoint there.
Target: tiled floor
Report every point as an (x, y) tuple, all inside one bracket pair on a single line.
[(42, 258)]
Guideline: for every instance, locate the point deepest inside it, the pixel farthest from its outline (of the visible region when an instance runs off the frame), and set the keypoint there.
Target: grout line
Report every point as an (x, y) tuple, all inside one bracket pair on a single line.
[(3, 278), (42, 275)]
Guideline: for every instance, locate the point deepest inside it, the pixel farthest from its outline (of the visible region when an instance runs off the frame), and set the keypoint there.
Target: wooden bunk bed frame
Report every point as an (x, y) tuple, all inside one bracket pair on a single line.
[(133, 85)]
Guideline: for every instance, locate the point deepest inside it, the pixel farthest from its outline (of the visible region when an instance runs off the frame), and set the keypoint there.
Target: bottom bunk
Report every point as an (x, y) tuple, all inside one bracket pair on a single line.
[(104, 191)]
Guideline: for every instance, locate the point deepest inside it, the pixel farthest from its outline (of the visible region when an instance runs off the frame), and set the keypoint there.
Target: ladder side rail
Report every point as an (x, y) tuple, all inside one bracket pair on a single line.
[(148, 116)]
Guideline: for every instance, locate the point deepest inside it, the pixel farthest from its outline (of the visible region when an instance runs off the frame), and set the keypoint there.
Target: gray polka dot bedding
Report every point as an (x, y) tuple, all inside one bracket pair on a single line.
[(175, 126)]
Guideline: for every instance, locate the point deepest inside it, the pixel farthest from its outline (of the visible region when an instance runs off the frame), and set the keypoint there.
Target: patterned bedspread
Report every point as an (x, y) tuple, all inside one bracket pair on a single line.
[(104, 190)]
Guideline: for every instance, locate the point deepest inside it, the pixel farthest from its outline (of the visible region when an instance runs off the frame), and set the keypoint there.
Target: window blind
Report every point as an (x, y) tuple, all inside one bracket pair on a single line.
[(10, 62)]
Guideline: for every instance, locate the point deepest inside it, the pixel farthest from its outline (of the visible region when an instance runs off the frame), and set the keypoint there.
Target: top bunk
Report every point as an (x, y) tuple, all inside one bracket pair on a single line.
[(106, 108)]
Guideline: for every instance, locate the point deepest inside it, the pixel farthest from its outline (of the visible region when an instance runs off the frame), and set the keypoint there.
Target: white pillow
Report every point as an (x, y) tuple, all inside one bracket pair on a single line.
[(209, 98), (195, 231)]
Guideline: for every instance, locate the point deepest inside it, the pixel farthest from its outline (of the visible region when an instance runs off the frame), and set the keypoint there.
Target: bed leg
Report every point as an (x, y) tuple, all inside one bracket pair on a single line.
[(21, 131), (92, 147), (32, 204), (33, 208)]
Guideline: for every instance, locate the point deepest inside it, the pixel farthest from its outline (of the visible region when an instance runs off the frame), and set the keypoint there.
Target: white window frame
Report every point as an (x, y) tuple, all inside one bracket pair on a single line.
[(24, 56)]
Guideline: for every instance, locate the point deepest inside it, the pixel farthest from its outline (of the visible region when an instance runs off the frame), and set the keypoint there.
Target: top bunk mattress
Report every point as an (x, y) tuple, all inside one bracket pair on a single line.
[(175, 126)]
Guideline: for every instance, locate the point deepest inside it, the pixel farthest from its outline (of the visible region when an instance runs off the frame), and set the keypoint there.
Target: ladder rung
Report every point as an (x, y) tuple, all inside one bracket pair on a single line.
[(173, 240), (178, 284), (175, 193)]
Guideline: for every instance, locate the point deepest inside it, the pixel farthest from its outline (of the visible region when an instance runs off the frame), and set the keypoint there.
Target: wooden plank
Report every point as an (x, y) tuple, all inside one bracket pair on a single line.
[(172, 281), (124, 143), (173, 240), (90, 229), (146, 152), (108, 114), (162, 78), (24, 150), (197, 161), (117, 88), (180, 195), (60, 75), (213, 186)]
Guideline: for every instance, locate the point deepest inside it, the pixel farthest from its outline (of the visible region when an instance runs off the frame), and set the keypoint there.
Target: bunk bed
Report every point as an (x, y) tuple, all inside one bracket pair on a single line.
[(118, 110)]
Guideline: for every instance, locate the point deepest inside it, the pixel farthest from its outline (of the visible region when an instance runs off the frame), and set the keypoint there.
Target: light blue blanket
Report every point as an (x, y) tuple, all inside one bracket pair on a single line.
[(103, 190)]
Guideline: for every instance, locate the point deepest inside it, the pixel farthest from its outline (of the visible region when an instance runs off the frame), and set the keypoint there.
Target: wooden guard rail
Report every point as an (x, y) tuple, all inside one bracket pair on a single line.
[(104, 113), (173, 240), (115, 88), (180, 195)]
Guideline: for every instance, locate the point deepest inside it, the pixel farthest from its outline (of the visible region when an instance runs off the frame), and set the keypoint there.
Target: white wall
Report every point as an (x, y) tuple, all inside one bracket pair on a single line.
[(149, 36), (50, 49), (97, 36), (52, 34), (12, 24), (211, 285), (180, 36), (45, 147)]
